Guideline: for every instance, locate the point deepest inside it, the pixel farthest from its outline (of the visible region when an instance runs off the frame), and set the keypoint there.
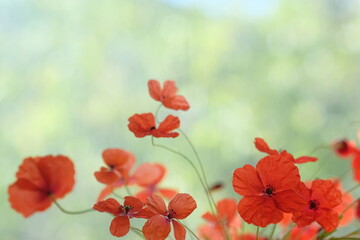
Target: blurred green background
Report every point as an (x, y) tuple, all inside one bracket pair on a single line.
[(73, 72)]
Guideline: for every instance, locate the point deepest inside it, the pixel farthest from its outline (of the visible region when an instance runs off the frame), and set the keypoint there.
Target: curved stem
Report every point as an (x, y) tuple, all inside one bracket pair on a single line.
[(69, 212), (117, 195), (257, 232), (192, 165), (319, 148), (352, 189), (137, 232), (192, 233), (201, 167), (127, 189)]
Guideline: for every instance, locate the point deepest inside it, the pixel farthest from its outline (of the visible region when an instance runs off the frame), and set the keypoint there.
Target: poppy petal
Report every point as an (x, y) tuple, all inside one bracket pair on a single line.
[(109, 205), (169, 89), (58, 173), (116, 157), (328, 219), (120, 226), (262, 146), (156, 204), (182, 205), (209, 217), (227, 209), (303, 218), (156, 228), (356, 167), (29, 170), (289, 201), (305, 159), (108, 189), (105, 176), (326, 192), (27, 201), (259, 210), (143, 195), (246, 181), (177, 102), (179, 231), (170, 123), (135, 204), (279, 172), (141, 124), (148, 174), (154, 89), (167, 193)]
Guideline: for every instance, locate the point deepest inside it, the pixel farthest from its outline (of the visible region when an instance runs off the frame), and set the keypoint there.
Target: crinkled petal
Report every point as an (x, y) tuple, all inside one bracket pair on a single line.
[(156, 204), (116, 157), (326, 192), (135, 204), (30, 171), (156, 228), (169, 124), (262, 146), (149, 174), (141, 124), (58, 173), (154, 89), (120, 226), (303, 218), (109, 205), (328, 219), (279, 172), (246, 181), (289, 201), (305, 159), (179, 230), (169, 89), (259, 210), (106, 176), (182, 205), (177, 102), (27, 201)]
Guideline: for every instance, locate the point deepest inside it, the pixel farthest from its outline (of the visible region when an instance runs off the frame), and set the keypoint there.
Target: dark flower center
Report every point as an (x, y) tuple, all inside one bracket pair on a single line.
[(313, 204), (269, 190), (127, 208), (170, 215), (152, 128)]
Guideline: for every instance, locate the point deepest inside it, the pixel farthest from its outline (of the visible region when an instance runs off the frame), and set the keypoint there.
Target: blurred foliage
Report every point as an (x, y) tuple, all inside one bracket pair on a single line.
[(72, 72)]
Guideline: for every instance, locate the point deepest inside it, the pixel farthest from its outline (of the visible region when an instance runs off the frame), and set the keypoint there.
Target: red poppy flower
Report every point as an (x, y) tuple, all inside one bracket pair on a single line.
[(321, 199), (144, 124), (226, 216), (148, 176), (358, 210), (262, 146), (132, 208), (39, 179), (344, 148), (119, 163), (167, 95), (158, 226), (269, 190)]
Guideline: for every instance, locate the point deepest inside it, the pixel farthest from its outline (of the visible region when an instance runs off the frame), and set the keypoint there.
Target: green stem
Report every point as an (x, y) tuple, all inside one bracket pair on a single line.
[(127, 189), (257, 232), (272, 232), (289, 231), (352, 189), (319, 148), (70, 212), (117, 195), (137, 232), (192, 165), (192, 233)]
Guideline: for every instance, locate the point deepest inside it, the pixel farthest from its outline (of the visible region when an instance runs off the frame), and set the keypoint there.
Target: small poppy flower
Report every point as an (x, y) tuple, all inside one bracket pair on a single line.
[(344, 148), (132, 208), (262, 146), (167, 95), (39, 181), (322, 198), (148, 176), (119, 163), (158, 226), (269, 190), (144, 124), (226, 217)]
